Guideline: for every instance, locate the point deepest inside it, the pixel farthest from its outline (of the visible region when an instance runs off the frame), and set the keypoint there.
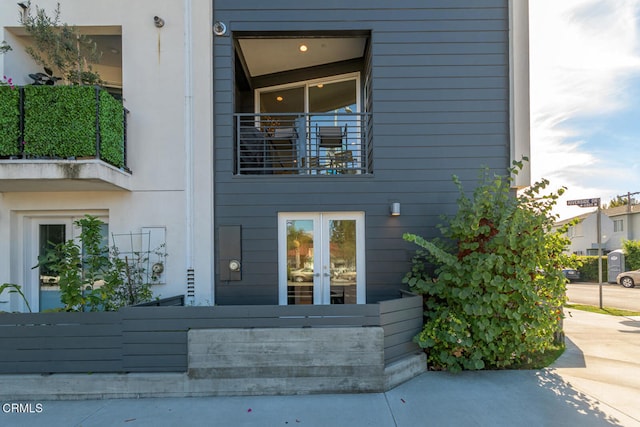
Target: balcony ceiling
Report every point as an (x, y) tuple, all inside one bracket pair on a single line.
[(272, 55)]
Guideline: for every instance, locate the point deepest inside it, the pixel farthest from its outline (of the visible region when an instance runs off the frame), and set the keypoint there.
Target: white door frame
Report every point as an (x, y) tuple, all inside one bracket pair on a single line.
[(322, 277)]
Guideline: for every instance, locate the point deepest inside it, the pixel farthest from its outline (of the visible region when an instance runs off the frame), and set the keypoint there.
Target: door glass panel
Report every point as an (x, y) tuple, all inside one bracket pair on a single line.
[(104, 248), (333, 125), (339, 97), (300, 266), (49, 290), (342, 261), (283, 124), (280, 101)]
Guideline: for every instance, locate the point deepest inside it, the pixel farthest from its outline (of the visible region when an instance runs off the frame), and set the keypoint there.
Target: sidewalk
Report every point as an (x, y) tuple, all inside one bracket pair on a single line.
[(595, 383)]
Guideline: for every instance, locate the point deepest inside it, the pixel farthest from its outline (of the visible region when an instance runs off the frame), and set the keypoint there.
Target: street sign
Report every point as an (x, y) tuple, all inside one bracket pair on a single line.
[(593, 203), (585, 203)]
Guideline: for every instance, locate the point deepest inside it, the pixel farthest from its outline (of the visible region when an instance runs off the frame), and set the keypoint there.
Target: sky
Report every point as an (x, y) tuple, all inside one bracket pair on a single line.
[(585, 98)]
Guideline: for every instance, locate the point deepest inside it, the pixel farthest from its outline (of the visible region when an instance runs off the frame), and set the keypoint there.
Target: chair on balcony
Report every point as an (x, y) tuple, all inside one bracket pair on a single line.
[(252, 152), (284, 145), (329, 138)]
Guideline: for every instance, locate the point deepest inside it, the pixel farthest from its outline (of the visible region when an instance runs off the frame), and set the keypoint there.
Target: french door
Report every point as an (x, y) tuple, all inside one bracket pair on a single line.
[(321, 258)]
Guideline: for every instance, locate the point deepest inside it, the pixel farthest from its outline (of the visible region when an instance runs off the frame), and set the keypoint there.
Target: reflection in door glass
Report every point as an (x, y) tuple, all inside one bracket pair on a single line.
[(342, 259), (330, 131), (300, 262), (49, 289)]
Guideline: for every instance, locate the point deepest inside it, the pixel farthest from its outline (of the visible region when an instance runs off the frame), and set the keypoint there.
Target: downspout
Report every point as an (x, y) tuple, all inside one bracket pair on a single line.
[(188, 144), (519, 99)]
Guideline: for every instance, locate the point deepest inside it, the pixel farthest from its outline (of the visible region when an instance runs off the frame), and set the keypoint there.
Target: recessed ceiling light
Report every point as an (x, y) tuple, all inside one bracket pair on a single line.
[(303, 48), (279, 98), (320, 86)]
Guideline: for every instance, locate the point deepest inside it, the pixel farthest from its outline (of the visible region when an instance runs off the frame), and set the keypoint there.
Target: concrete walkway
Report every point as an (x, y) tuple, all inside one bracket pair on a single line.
[(595, 383)]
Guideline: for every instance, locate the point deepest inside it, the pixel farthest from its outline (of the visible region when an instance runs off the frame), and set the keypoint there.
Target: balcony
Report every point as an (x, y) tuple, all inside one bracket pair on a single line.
[(62, 138), (319, 144)]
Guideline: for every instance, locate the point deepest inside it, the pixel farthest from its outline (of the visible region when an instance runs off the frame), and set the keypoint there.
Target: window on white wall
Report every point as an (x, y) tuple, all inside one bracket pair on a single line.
[(618, 225)]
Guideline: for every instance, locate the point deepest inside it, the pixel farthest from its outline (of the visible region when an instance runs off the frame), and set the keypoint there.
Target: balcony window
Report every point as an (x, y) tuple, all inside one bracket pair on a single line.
[(296, 115)]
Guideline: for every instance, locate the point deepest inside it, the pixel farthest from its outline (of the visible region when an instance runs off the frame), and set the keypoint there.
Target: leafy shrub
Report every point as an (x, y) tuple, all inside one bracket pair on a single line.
[(589, 268), (631, 250), (80, 268), (499, 289), (128, 283), (9, 121), (15, 289), (93, 278)]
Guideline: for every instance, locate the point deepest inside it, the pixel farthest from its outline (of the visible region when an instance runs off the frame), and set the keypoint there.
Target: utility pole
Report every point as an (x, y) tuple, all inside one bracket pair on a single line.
[(599, 227)]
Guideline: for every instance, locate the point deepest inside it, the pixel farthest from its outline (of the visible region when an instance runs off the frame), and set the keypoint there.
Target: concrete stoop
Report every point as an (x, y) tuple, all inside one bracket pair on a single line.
[(251, 362)]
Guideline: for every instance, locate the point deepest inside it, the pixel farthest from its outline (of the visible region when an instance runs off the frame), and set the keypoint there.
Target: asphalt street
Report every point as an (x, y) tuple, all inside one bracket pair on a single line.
[(613, 295)]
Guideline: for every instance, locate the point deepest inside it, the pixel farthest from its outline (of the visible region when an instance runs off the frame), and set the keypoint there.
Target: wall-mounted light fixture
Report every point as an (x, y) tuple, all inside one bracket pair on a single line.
[(158, 22), (394, 209)]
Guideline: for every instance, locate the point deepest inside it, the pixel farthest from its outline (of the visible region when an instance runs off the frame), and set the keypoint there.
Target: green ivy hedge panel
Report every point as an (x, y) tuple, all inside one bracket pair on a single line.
[(9, 121), (111, 130), (60, 121)]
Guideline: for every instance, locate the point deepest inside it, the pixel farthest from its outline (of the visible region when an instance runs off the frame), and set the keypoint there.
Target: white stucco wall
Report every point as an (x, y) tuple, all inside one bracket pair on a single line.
[(587, 236), (169, 137)]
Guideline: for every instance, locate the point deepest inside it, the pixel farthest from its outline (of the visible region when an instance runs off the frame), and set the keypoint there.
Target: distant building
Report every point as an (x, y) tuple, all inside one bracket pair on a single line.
[(618, 224)]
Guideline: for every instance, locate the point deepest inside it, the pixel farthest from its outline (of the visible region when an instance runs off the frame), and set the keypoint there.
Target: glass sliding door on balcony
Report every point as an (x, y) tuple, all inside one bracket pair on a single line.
[(334, 130), (285, 129)]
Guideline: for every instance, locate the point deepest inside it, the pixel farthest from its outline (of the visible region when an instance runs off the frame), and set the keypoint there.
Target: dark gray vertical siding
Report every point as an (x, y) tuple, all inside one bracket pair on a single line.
[(439, 97)]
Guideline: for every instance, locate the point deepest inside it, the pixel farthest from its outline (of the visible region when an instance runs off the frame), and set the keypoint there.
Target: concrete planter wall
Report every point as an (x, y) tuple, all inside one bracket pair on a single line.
[(205, 351)]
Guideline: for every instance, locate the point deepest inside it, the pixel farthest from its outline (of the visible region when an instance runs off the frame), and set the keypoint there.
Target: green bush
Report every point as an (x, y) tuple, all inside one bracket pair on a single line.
[(94, 278), (9, 121), (496, 301), (589, 268), (631, 250), (60, 121)]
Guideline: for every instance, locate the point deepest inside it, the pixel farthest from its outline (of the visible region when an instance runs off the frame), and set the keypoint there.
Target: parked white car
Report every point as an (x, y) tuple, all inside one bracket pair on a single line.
[(628, 279)]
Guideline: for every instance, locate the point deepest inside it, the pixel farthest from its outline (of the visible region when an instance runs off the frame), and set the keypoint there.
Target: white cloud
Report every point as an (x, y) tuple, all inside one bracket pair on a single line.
[(583, 55)]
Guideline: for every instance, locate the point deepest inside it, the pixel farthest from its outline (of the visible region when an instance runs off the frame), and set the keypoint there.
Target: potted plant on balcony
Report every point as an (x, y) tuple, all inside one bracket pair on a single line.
[(60, 47)]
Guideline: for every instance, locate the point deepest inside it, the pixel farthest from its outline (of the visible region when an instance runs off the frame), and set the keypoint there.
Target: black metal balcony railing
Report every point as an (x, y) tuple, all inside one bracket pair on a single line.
[(63, 122), (303, 143)]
